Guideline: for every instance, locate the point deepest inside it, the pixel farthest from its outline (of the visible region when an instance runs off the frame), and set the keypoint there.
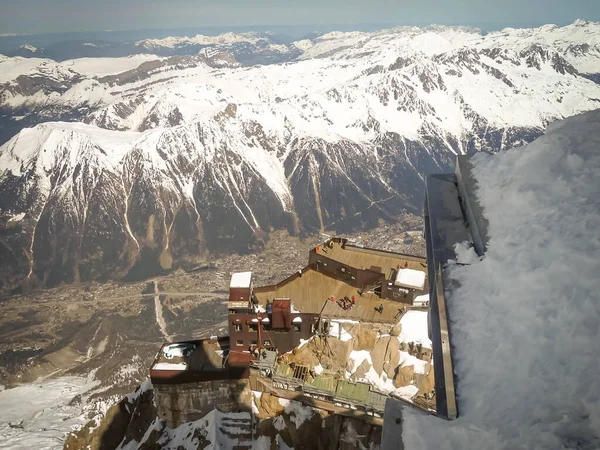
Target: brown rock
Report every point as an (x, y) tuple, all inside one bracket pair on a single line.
[(396, 330), (378, 354), (269, 406), (392, 356), (123, 422), (335, 354), (306, 355), (386, 355), (364, 337), (404, 376), (362, 370), (425, 382)]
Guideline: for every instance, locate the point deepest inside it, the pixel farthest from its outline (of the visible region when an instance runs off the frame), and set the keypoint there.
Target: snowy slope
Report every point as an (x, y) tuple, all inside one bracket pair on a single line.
[(40, 414), (248, 48), (525, 320), (336, 140), (107, 66)]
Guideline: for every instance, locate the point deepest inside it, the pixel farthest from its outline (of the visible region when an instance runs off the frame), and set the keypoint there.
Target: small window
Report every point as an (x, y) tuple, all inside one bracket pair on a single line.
[(313, 328), (297, 327), (237, 327), (239, 343), (232, 311), (253, 342), (253, 327)]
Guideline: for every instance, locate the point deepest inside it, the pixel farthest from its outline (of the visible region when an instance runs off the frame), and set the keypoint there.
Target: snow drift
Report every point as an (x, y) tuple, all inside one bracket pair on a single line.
[(525, 320)]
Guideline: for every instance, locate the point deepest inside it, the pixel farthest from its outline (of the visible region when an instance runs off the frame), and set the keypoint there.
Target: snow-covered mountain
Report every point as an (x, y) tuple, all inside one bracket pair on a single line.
[(249, 48), (187, 155)]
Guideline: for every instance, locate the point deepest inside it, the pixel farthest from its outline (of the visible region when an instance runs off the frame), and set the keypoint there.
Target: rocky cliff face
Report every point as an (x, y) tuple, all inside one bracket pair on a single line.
[(133, 423), (188, 156)]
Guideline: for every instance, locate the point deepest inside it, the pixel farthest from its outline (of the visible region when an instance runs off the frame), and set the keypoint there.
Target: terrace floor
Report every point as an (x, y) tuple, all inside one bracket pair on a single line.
[(365, 258), (311, 293)]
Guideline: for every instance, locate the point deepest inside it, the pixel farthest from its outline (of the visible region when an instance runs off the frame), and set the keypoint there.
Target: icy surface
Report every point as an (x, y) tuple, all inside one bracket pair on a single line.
[(44, 411), (525, 320)]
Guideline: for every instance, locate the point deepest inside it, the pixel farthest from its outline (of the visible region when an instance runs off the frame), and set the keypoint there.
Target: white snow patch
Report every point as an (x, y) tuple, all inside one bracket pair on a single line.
[(256, 396), (337, 330), (241, 280), (298, 413), (169, 366), (108, 66), (410, 278), (407, 359), (303, 44), (156, 425), (406, 392), (279, 423), (344, 335), (421, 300), (17, 217), (283, 402), (303, 342), (350, 436), (357, 357), (465, 253), (415, 328), (142, 388)]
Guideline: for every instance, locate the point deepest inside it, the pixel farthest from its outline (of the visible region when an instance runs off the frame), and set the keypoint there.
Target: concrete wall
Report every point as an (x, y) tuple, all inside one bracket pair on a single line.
[(187, 402)]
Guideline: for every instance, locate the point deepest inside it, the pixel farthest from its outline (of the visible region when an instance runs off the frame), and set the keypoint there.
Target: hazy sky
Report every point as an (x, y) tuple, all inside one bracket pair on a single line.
[(37, 16)]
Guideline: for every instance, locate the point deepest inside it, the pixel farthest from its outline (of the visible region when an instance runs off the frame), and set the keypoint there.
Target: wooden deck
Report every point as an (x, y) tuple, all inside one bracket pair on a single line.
[(311, 293), (364, 258)]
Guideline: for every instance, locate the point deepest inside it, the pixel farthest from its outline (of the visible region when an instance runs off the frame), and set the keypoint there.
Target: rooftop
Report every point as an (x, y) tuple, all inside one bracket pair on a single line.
[(311, 292), (241, 280), (410, 278), (368, 258)]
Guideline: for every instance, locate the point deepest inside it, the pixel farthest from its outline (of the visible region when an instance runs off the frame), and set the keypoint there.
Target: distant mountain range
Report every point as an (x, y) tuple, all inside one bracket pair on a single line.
[(248, 48), (199, 151)]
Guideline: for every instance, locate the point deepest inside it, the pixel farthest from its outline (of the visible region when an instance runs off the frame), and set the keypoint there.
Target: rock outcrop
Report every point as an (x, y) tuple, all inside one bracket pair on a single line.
[(134, 424), (403, 376)]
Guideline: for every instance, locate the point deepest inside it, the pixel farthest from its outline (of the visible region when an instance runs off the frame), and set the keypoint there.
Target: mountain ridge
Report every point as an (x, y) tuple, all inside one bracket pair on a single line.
[(187, 156)]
